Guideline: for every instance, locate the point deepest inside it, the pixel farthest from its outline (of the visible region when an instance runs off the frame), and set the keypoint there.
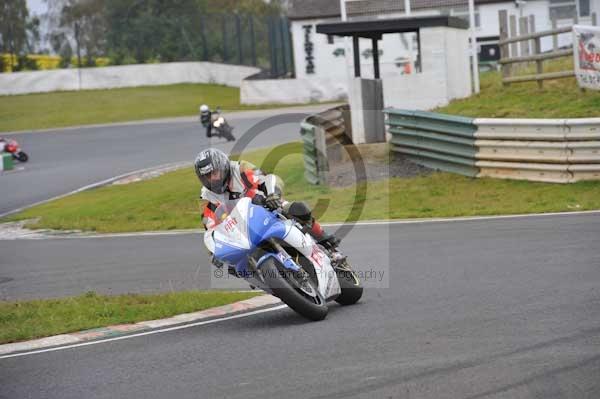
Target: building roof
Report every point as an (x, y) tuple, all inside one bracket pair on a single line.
[(313, 9), (375, 28)]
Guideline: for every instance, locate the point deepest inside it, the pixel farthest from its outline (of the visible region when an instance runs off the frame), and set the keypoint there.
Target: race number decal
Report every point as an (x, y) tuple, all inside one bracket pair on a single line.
[(317, 255)]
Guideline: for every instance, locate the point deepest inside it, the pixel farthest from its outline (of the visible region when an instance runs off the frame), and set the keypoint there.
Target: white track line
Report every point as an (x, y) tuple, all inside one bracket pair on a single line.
[(158, 331), (96, 185), (359, 224)]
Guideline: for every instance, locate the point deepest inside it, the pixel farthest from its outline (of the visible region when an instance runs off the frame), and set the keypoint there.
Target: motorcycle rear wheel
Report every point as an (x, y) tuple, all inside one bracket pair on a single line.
[(227, 133), (21, 156), (311, 307)]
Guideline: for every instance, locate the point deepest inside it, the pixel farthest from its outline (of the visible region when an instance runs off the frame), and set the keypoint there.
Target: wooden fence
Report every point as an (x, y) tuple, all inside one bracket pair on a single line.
[(509, 48)]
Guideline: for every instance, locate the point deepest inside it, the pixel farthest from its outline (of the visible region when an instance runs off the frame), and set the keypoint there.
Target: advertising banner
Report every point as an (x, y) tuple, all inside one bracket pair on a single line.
[(586, 52)]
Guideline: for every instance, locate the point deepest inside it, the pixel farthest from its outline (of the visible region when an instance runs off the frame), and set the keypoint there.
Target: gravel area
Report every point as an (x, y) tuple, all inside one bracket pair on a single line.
[(344, 175)]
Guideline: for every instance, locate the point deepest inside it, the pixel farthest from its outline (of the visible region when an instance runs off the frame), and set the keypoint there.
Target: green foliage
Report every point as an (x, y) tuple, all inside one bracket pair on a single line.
[(42, 318), (25, 64), (18, 31), (146, 205), (131, 31), (558, 99), (47, 110)]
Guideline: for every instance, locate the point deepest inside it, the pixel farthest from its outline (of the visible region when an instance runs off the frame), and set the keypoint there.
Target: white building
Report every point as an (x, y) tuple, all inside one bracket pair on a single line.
[(322, 71), (327, 61)]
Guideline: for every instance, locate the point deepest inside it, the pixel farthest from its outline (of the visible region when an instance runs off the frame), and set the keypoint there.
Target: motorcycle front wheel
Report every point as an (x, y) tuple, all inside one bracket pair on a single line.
[(350, 284), (299, 294)]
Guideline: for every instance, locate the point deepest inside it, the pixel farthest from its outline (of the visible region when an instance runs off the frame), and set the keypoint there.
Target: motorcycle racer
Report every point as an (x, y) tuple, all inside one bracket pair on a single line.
[(225, 181)]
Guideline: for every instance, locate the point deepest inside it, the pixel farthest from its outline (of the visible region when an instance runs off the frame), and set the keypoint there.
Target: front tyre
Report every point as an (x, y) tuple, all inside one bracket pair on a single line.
[(227, 133), (302, 297), (350, 285)]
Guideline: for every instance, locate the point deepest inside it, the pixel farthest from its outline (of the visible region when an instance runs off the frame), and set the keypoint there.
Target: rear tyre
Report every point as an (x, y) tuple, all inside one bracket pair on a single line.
[(350, 285), (22, 157), (312, 307)]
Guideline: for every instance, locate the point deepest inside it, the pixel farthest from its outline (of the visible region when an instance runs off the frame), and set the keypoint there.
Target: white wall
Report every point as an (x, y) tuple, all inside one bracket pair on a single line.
[(329, 65), (290, 91), (445, 74), (124, 76)]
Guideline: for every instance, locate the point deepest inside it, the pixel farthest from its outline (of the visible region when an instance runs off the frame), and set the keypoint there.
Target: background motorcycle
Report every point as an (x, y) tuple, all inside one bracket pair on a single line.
[(12, 147), (221, 127), (218, 124)]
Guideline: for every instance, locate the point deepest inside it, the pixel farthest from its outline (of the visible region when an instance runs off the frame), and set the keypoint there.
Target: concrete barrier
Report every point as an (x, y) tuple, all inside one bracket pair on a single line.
[(292, 91), (123, 76)]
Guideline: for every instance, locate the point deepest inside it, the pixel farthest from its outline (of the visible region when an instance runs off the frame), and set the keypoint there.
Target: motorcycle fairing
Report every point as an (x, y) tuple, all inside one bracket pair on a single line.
[(249, 225)]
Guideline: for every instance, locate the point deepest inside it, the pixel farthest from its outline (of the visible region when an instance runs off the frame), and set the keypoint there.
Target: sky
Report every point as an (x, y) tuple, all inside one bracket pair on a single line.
[(36, 7)]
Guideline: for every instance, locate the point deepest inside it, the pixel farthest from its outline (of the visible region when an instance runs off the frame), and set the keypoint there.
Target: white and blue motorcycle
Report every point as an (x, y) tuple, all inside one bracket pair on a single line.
[(274, 253)]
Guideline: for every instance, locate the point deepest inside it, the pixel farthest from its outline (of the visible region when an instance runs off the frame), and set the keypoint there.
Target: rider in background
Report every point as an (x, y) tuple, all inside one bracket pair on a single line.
[(225, 182), (206, 118), (2, 144)]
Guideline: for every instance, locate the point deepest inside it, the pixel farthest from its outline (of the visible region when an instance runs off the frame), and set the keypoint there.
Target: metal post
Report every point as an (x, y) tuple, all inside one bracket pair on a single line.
[(475, 58), (411, 55), (356, 50), (224, 37), (594, 19), (203, 36), (346, 44), (282, 25), (272, 45), (238, 33), (375, 57), (77, 38), (252, 39)]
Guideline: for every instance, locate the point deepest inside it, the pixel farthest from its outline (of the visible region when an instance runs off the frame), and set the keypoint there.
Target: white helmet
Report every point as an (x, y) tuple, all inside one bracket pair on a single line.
[(204, 108)]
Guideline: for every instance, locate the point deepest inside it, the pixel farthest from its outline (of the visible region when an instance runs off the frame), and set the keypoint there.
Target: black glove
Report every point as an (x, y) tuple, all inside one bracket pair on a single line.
[(259, 199), (216, 262), (273, 201)]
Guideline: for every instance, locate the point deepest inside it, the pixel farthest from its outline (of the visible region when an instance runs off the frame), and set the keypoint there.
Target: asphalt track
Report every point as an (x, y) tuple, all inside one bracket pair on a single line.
[(63, 160), (506, 308)]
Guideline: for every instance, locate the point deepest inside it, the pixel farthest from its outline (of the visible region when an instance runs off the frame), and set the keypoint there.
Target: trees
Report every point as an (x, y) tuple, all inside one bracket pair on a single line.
[(18, 32), (140, 31), (82, 22)]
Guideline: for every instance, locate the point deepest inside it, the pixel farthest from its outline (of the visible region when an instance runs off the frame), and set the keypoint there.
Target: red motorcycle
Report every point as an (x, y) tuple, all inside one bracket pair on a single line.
[(13, 148)]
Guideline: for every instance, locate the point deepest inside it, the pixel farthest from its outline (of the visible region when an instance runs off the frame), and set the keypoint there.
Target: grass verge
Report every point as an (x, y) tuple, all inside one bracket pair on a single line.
[(42, 318), (70, 108), (171, 201), (560, 98)]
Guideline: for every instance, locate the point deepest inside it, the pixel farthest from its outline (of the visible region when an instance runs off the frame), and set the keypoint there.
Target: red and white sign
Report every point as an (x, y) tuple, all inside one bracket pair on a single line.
[(586, 52)]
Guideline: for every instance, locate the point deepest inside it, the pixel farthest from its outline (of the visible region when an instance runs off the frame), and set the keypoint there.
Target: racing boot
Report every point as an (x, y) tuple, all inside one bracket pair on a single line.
[(325, 239)]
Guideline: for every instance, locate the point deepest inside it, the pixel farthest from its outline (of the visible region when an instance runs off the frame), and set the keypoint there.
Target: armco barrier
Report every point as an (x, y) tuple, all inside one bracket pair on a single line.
[(322, 134), (437, 141), (7, 161), (549, 150)]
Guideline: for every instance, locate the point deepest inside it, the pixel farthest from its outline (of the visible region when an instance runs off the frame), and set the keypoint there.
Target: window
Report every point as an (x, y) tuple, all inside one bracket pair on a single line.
[(584, 8), (566, 9)]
